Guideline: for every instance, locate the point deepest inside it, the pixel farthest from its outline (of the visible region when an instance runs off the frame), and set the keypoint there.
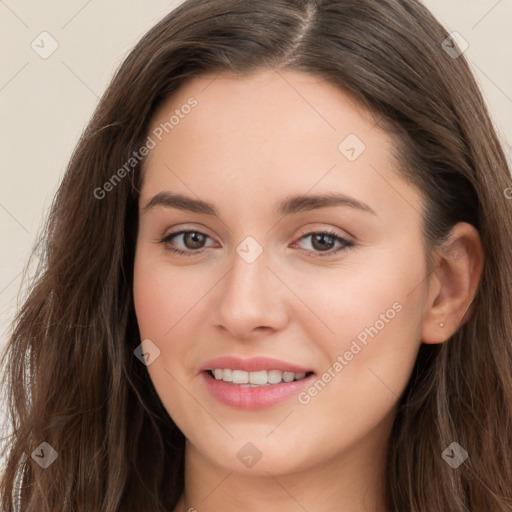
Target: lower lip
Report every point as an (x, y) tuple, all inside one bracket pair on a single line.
[(253, 398)]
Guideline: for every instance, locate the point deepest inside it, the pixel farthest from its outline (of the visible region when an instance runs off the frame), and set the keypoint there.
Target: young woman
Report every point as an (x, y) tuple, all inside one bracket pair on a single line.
[(277, 277)]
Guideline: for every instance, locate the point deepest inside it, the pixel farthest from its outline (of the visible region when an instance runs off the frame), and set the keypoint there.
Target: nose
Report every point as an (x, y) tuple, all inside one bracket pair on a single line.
[(251, 300)]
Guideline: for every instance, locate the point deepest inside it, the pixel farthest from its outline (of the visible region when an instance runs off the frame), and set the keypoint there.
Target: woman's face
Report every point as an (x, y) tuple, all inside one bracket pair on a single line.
[(326, 327)]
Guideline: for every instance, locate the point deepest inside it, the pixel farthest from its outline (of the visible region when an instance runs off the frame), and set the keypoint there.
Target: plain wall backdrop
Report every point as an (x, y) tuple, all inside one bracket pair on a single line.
[(46, 100)]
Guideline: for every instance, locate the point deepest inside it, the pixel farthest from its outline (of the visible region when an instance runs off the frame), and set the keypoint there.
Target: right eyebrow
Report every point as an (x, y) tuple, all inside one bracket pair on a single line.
[(180, 202)]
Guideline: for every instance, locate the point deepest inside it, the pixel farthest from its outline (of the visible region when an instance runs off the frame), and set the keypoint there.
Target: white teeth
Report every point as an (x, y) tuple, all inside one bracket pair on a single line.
[(274, 376), (240, 377), (288, 376), (260, 378)]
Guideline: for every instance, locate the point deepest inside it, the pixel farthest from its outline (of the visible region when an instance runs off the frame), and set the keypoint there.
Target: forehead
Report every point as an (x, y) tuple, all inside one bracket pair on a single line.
[(265, 115), (271, 131), (266, 99)]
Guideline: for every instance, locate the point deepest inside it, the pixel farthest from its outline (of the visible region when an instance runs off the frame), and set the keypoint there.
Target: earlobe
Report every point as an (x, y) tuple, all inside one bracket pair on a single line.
[(453, 284)]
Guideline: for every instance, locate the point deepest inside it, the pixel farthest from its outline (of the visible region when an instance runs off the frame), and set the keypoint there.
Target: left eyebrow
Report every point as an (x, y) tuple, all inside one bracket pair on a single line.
[(288, 206), (306, 202)]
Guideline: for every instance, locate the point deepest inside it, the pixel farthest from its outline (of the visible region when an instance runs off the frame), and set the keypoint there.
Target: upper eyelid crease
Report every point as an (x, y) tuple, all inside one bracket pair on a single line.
[(288, 206)]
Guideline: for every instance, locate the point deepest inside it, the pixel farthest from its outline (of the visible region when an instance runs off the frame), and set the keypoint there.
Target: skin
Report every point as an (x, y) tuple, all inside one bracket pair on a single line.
[(249, 143)]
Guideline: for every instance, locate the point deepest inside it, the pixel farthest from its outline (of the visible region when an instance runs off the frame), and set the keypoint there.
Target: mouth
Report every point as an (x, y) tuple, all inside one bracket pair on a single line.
[(255, 379), (258, 382), (254, 384)]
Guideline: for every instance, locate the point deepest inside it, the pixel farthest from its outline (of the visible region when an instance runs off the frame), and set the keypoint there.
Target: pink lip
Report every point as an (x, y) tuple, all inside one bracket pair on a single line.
[(254, 364), (253, 398)]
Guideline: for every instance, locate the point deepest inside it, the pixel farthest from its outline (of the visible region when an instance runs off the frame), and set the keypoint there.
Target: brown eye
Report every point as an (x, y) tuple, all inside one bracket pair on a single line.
[(192, 241), (323, 242)]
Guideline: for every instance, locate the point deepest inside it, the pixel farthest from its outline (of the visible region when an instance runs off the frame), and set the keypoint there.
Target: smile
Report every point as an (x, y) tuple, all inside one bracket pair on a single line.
[(254, 383)]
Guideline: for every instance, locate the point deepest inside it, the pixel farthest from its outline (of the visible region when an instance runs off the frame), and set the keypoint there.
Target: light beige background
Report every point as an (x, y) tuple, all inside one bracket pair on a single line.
[(45, 103)]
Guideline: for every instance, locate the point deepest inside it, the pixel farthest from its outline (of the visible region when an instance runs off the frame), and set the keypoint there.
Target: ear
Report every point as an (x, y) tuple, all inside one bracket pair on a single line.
[(453, 284)]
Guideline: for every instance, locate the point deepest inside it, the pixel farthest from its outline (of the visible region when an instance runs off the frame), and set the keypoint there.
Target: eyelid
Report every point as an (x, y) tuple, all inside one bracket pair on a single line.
[(304, 231), (182, 231), (180, 228), (327, 229)]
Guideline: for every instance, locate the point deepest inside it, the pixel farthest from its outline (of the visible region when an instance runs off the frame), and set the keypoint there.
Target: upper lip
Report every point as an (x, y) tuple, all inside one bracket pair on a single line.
[(252, 364)]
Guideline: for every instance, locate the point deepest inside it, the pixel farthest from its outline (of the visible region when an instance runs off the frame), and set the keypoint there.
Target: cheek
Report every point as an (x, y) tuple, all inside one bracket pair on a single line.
[(167, 301), (381, 302), (377, 318), (366, 370), (149, 298), (161, 299), (161, 295), (371, 360)]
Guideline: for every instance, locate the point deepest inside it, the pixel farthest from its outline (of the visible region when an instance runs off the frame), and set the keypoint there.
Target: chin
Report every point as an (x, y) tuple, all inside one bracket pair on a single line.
[(259, 457)]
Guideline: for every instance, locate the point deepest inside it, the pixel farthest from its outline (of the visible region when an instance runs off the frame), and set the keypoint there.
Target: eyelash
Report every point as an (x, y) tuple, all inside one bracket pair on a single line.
[(345, 243)]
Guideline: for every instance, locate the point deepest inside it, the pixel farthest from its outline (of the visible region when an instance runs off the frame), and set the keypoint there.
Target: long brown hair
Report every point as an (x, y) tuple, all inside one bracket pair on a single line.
[(71, 377)]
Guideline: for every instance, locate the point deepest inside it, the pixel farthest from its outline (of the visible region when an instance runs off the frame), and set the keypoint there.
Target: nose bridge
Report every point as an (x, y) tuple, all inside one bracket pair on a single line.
[(250, 296), (249, 278)]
